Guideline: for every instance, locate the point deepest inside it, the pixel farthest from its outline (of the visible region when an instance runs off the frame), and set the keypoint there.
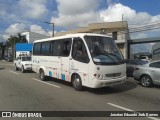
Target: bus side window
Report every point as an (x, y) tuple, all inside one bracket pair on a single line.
[(37, 49), (45, 49), (79, 51), (66, 47), (56, 48)]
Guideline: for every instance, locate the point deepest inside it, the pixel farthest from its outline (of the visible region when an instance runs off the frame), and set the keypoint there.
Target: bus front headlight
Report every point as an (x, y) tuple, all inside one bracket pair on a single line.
[(98, 76)]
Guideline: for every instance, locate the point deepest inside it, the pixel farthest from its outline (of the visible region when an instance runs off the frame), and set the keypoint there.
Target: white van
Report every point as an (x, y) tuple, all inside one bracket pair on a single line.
[(85, 59)]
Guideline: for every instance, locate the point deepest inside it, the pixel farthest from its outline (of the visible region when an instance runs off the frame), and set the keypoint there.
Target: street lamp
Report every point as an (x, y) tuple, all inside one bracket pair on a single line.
[(53, 27)]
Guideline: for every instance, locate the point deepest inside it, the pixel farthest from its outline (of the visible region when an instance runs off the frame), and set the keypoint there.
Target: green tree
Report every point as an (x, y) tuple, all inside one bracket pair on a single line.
[(21, 39), (13, 39)]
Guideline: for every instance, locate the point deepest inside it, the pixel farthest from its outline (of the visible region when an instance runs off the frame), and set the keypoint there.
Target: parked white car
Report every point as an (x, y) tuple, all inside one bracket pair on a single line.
[(148, 74), (23, 62)]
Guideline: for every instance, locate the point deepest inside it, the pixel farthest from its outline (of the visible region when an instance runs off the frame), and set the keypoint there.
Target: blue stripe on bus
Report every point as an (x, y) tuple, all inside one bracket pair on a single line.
[(50, 73), (63, 76)]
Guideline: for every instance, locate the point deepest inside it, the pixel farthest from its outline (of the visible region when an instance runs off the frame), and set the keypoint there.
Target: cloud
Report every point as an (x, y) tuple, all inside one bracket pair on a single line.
[(38, 29), (13, 30), (146, 47), (19, 27), (76, 13), (109, 2), (76, 6), (139, 35), (1, 39), (79, 20), (6, 15), (155, 18), (115, 12), (34, 9), (71, 16), (135, 20), (118, 12)]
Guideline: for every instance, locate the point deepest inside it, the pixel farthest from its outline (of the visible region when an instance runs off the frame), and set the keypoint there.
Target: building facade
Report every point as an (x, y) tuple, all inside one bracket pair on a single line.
[(32, 36), (117, 30), (156, 51)]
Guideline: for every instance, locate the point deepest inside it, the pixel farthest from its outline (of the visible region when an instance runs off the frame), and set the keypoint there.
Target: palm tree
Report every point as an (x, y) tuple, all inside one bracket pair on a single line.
[(21, 38), (16, 39)]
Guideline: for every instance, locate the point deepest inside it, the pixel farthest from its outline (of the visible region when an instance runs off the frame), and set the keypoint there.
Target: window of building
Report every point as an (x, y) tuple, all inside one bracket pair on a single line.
[(114, 35)]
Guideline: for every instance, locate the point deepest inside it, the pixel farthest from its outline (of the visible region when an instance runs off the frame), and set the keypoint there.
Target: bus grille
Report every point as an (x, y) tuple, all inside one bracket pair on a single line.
[(113, 75)]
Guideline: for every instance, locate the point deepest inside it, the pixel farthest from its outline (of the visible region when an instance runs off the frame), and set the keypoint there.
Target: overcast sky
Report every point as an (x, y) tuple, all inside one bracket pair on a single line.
[(19, 15)]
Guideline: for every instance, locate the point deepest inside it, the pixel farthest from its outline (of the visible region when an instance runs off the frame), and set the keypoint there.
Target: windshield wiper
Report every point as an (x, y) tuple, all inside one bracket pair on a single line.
[(114, 55), (108, 56)]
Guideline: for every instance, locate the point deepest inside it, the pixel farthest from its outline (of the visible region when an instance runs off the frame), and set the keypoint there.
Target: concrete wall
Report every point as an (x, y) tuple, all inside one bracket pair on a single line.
[(32, 36), (35, 36), (121, 47)]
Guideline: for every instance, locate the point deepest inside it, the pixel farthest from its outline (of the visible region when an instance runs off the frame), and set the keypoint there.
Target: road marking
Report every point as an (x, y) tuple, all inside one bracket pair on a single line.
[(123, 108), (46, 83), (13, 72), (126, 109)]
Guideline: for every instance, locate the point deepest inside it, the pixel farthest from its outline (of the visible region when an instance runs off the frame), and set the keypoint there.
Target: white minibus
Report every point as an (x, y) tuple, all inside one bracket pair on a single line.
[(85, 59)]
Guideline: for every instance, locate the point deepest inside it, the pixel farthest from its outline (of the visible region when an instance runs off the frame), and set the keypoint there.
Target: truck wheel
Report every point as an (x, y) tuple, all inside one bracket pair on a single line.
[(77, 83), (22, 69), (15, 67), (42, 75)]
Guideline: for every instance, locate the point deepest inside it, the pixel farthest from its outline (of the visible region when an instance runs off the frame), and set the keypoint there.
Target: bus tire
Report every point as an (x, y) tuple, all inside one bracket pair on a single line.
[(42, 75), (77, 82)]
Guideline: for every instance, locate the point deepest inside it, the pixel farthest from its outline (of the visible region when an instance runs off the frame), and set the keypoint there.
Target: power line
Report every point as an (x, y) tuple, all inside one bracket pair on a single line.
[(134, 25), (145, 26)]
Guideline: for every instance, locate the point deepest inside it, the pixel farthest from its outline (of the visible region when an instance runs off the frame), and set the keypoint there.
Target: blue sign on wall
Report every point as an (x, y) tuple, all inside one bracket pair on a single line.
[(24, 47)]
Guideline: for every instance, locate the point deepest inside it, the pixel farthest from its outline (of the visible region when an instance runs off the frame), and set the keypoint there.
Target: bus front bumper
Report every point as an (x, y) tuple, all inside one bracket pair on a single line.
[(110, 82)]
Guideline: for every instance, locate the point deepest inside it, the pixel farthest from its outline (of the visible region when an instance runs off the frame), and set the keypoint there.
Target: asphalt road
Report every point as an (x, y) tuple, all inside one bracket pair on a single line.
[(25, 92)]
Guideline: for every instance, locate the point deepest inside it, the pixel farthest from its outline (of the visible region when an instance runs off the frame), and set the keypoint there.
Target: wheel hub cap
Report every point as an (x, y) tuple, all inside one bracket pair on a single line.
[(145, 81), (76, 82)]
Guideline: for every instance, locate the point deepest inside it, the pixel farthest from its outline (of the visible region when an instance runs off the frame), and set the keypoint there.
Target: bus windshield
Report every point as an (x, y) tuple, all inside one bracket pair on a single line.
[(103, 50)]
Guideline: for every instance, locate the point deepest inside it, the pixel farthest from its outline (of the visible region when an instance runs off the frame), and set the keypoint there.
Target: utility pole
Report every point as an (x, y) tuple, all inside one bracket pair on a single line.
[(52, 28), (14, 49), (126, 47)]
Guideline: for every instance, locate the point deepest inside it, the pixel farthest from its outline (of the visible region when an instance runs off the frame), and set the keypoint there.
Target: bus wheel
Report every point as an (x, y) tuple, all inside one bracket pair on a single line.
[(41, 75), (76, 82)]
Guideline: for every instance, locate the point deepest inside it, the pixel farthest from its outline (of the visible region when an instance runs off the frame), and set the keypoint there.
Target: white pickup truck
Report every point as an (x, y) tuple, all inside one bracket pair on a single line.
[(23, 62)]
